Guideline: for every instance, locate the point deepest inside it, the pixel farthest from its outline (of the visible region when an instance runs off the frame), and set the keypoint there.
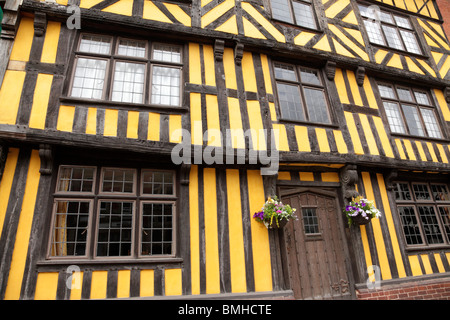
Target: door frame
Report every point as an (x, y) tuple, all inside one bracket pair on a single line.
[(336, 193)]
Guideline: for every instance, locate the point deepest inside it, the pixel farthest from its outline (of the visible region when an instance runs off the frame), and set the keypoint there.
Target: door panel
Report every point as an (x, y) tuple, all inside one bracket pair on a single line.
[(314, 244)]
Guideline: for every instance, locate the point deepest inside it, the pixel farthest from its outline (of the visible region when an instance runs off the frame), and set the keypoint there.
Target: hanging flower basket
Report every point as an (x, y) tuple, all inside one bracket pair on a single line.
[(274, 214), (360, 211)]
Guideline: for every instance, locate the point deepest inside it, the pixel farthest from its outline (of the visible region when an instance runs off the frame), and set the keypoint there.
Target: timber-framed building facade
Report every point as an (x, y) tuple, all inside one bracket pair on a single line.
[(96, 94)]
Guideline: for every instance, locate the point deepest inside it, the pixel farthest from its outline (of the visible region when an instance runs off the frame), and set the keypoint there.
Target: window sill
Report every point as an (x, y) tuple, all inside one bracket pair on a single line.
[(109, 262), (421, 249), (308, 123), (123, 105), (399, 51), (292, 25), (407, 136)]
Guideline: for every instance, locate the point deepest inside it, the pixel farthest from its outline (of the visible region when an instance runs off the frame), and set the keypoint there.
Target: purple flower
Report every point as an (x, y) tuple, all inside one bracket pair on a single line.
[(348, 208), (279, 211)]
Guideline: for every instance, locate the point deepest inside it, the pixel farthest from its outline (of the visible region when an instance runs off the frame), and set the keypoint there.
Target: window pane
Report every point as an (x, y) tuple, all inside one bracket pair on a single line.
[(131, 48), (310, 76), (128, 83), (440, 192), (285, 72), (310, 221), (70, 228), (304, 15), (402, 22), (413, 120), (157, 228), (430, 123), (445, 215), (154, 182), (95, 44), (386, 91), (393, 38), (402, 191), (316, 105), (281, 10), (422, 98), (394, 117), (404, 94), (430, 224), (421, 191), (167, 53), (374, 32), (89, 78), (410, 41), (118, 180), (115, 229), (166, 86), (75, 179), (290, 102), (410, 225)]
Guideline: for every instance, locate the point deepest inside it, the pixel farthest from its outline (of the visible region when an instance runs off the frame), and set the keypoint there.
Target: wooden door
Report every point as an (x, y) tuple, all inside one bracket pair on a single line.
[(314, 245)]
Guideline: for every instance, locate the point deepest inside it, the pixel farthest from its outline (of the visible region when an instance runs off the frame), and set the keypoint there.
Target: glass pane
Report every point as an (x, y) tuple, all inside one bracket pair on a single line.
[(386, 91), (118, 180), (95, 44), (285, 72), (115, 229), (304, 15), (70, 228), (154, 182), (394, 117), (374, 32), (402, 191), (166, 86), (167, 53), (404, 94), (402, 22), (290, 102), (410, 41), (157, 228), (310, 76), (431, 123), (89, 78), (413, 120), (430, 224), (440, 192), (128, 83), (281, 10), (445, 215), (131, 48), (75, 179), (421, 191), (393, 38), (310, 221), (422, 98), (410, 225), (316, 105)]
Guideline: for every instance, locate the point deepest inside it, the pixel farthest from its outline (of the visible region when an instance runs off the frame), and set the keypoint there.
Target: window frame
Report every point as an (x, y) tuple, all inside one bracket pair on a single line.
[(113, 57), (398, 28), (415, 204), (300, 86), (416, 105), (311, 4), (96, 197)]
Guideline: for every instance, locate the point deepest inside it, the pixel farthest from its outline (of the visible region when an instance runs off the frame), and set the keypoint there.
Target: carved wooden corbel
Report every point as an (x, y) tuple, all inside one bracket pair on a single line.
[(360, 74), (389, 180), (46, 155), (349, 179), (238, 53), (330, 70), (40, 24), (219, 47)]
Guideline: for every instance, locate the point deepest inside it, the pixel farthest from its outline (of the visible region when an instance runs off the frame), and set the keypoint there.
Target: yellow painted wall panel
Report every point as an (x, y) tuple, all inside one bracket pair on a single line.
[(195, 69), (76, 288), (440, 265), (123, 7), (385, 142), (266, 73), (65, 118), (23, 41), (322, 139), (370, 139), (86, 4), (248, 71), (209, 60), (323, 44), (442, 153), (40, 101), (216, 12), (340, 86), (173, 282), (340, 142), (353, 133), (91, 121), (401, 152), (111, 122), (211, 236), (194, 230), (236, 235), (99, 282), (213, 121), (229, 26), (306, 176), (256, 125), (196, 119), (266, 24), (133, 124), (19, 255), (51, 42), (335, 8), (330, 177), (153, 126), (179, 13), (426, 264), (423, 157), (10, 93), (46, 286), (284, 175), (6, 183), (251, 31), (415, 265), (301, 134), (236, 131), (123, 283), (262, 267), (281, 139), (303, 38), (229, 68), (431, 151), (147, 283), (175, 132), (442, 104)]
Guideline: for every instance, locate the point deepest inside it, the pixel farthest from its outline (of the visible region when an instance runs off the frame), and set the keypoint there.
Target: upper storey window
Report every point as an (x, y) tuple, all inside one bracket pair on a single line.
[(125, 70), (301, 94), (299, 12), (409, 111), (387, 29)]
